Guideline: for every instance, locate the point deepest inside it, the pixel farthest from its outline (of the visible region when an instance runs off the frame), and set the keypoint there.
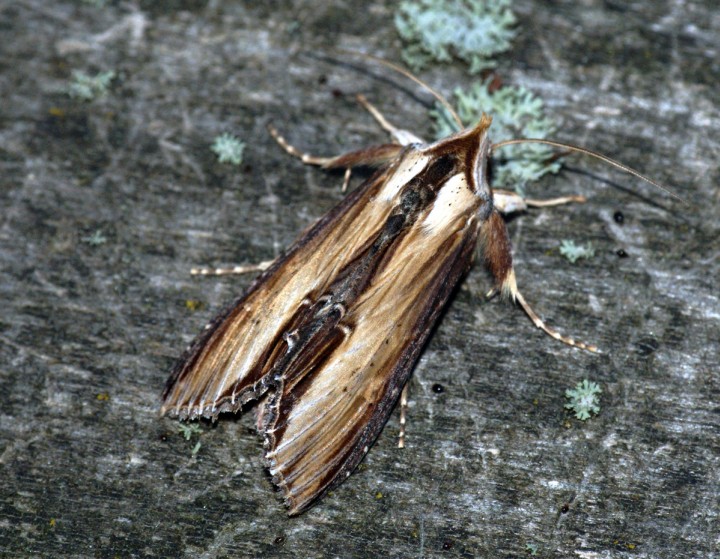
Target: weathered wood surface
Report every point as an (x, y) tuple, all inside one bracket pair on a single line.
[(493, 463)]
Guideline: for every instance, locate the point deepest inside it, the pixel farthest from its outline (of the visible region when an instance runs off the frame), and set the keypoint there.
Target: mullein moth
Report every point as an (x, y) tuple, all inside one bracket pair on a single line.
[(328, 334)]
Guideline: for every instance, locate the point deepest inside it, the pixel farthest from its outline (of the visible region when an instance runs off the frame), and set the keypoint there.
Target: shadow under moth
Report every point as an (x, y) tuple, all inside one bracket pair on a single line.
[(328, 334)]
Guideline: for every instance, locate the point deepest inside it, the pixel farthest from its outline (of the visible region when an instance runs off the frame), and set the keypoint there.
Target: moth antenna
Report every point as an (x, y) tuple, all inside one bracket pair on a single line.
[(402, 71), (591, 153)]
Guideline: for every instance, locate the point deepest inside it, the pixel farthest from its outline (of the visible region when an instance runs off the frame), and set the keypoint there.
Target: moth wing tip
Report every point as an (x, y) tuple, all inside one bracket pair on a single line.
[(284, 493), (293, 507), (169, 409), (184, 412), (295, 504)]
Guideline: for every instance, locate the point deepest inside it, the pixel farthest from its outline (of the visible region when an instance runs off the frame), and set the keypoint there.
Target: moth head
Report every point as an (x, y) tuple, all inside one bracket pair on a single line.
[(478, 151), (480, 133)]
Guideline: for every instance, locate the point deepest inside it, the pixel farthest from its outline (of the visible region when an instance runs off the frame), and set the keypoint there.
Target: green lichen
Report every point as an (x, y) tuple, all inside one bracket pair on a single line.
[(187, 430), (96, 238), (574, 252), (86, 87), (584, 400), (228, 148), (440, 30), (516, 113)]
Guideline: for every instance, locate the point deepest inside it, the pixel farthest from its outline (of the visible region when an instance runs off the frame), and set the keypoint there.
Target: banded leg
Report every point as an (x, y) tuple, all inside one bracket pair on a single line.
[(373, 156), (513, 292), (259, 267), (403, 414), (507, 202), (539, 323)]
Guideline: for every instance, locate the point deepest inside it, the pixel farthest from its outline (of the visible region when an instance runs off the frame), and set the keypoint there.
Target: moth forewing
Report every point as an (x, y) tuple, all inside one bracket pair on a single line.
[(332, 330), (328, 413), (228, 363)]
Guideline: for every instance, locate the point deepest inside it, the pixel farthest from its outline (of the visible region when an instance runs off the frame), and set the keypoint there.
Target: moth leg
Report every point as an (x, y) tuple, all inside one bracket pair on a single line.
[(295, 152), (540, 323), (259, 267), (496, 246), (551, 331), (403, 415), (509, 202), (403, 137), (559, 201), (373, 156)]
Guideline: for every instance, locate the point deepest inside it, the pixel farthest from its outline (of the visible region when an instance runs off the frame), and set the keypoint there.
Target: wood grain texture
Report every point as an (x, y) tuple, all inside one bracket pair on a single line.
[(87, 468)]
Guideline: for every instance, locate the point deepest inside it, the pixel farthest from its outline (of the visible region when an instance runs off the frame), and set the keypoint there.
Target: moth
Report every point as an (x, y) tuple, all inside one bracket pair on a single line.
[(328, 334)]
